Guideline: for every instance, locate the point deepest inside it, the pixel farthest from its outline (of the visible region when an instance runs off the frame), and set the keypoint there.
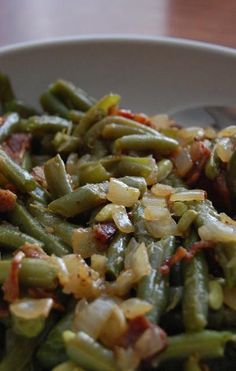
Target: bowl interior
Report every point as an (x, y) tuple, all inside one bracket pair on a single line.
[(152, 75)]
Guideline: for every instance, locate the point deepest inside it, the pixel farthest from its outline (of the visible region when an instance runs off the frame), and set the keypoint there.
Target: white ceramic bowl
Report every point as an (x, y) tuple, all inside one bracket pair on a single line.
[(152, 74)]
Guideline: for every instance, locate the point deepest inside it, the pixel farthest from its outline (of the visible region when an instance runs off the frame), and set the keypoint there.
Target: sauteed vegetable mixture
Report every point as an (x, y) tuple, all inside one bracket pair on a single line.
[(117, 237)]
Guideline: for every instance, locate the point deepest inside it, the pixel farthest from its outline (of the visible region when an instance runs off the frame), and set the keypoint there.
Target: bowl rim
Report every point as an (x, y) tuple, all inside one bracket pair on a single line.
[(118, 39)]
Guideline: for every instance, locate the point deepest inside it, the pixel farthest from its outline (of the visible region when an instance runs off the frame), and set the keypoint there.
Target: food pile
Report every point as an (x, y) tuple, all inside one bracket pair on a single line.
[(117, 237)]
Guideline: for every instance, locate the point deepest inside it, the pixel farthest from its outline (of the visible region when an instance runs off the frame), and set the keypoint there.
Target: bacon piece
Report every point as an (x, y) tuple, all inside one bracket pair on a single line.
[(199, 154), (139, 117), (104, 232), (136, 328), (7, 200), (183, 254), (16, 145), (33, 251), (11, 287)]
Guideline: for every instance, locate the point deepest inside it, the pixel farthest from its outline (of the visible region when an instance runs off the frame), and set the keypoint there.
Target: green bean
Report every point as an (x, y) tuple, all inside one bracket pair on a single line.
[(75, 116), (53, 105), (65, 143), (21, 108), (13, 172), (45, 124), (61, 228), (93, 172), (96, 113), (164, 167), (154, 288), (195, 296), (138, 166), (113, 131), (96, 130), (10, 124), (24, 220), (26, 161), (206, 344), (11, 237), (186, 220), (159, 145), (116, 254), (71, 96), (212, 166), (40, 194), (83, 199), (6, 92), (33, 273), (52, 351), (88, 353), (56, 177)]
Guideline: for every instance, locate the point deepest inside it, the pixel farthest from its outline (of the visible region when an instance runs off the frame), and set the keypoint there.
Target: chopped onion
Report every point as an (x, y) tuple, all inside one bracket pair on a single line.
[(152, 341), (135, 307), (162, 228), (62, 272), (31, 308), (92, 318), (230, 297), (115, 327), (224, 218), (229, 131), (84, 242), (188, 135), (99, 263), (183, 162), (210, 133), (127, 358), (217, 231), (122, 220), (215, 297), (105, 214), (123, 283), (121, 194), (193, 195), (162, 190), (150, 200), (156, 213), (224, 149), (137, 260), (83, 281), (161, 121)]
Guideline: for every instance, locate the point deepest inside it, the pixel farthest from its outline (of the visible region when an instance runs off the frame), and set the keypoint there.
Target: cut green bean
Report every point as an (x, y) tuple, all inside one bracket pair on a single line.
[(114, 131), (52, 105), (11, 237), (186, 220), (93, 172), (6, 91), (33, 273), (24, 220), (71, 96), (138, 166), (21, 108), (13, 172), (83, 199), (159, 145), (40, 125), (164, 167), (65, 143), (116, 254), (88, 353), (56, 177), (206, 344)]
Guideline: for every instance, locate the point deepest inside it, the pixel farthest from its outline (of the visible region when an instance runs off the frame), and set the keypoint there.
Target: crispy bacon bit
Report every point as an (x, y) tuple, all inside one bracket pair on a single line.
[(16, 145), (104, 232), (183, 254), (7, 200), (136, 328), (199, 154), (33, 251), (139, 117), (11, 287), (39, 293)]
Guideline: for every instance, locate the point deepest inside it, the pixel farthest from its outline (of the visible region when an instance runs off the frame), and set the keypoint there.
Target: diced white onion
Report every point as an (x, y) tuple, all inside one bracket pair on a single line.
[(152, 341), (115, 327), (137, 260), (161, 121), (183, 162), (121, 194), (162, 190), (62, 272), (162, 228), (150, 199), (229, 131), (84, 242), (217, 231), (122, 220), (224, 218), (193, 195), (105, 214), (135, 307), (156, 213), (99, 263), (31, 308), (224, 149)]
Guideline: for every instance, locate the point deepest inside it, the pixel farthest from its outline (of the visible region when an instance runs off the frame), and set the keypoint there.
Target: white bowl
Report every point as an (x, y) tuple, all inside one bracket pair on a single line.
[(152, 75)]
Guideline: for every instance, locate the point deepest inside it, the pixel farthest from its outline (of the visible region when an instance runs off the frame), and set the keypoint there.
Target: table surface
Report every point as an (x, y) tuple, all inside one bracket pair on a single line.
[(206, 20)]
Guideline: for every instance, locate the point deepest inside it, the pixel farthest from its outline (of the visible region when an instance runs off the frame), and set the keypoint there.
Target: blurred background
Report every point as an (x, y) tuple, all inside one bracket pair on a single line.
[(206, 20)]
